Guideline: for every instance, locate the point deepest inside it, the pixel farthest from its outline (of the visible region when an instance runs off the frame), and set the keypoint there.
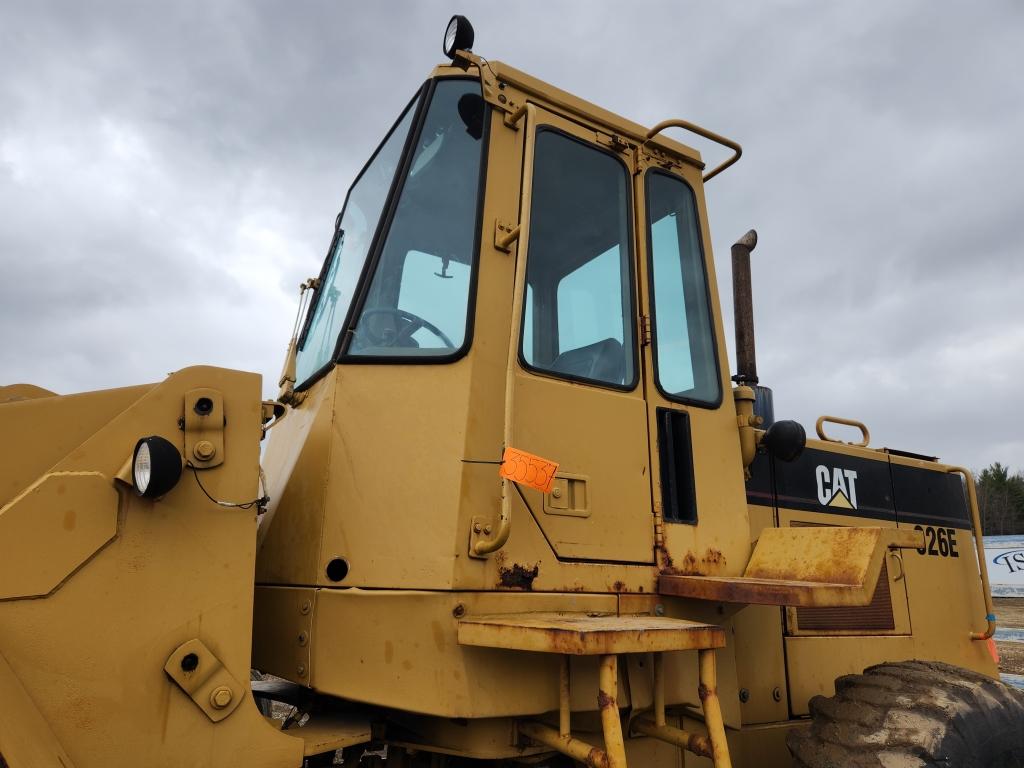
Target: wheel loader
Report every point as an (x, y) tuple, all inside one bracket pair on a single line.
[(509, 507)]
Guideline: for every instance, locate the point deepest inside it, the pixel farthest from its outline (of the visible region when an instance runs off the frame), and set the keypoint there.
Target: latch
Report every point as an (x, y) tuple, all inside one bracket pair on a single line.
[(204, 423), (614, 142)]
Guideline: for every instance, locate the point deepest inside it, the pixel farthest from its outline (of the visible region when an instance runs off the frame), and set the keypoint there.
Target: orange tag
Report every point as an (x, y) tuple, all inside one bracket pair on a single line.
[(522, 467)]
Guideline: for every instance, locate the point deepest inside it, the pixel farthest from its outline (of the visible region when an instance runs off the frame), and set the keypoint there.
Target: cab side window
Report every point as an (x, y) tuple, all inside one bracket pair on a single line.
[(578, 309)]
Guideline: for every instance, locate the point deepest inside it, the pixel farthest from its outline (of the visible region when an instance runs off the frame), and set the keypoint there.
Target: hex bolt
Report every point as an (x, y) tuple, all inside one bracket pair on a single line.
[(306, 607), (204, 450), (220, 697), (659, 610), (459, 611), (556, 493), (477, 528), (487, 529), (744, 695), (301, 670), (303, 638), (776, 694)]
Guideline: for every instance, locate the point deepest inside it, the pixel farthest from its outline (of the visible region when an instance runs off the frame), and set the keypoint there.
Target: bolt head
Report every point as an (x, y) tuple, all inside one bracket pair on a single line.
[(204, 450), (744, 695), (659, 610), (301, 670), (220, 697), (306, 607)]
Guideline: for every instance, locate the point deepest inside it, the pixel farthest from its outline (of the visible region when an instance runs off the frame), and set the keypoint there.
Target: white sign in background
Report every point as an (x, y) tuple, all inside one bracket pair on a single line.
[(1005, 560)]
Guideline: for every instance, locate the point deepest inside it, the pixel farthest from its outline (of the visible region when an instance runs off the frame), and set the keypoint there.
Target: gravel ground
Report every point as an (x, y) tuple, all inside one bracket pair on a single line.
[(1010, 615)]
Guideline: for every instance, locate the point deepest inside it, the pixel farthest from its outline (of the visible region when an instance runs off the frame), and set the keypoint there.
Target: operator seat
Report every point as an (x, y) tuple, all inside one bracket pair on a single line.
[(602, 360)]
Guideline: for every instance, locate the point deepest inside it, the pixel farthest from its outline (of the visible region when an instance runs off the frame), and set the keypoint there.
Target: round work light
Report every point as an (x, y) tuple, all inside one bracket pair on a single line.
[(458, 36), (156, 466)]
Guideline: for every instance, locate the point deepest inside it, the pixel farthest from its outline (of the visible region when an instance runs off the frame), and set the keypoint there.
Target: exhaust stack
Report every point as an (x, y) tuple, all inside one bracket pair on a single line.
[(743, 309)]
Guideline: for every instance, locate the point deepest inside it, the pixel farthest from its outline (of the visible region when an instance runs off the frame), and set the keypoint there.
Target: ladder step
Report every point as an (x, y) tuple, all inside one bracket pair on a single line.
[(585, 634)]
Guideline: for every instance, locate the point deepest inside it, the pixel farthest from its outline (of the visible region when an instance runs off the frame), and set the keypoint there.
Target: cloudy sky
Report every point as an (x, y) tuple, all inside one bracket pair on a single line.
[(170, 172)]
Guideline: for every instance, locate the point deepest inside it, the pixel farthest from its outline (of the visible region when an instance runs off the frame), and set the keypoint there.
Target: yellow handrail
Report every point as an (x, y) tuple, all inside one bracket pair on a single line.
[(979, 542), (709, 135), (819, 427)]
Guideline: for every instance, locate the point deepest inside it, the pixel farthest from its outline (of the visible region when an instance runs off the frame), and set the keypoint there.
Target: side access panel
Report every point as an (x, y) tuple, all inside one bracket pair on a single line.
[(840, 485)]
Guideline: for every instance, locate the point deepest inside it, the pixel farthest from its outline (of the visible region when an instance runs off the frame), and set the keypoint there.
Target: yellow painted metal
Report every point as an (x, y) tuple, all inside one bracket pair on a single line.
[(659, 690), (14, 392), (587, 634), (200, 674), (91, 654), (51, 528), (819, 566), (204, 428), (553, 418), (696, 743), (712, 708), (26, 739), (40, 431), (480, 547), (819, 427), (608, 702), (704, 132), (577, 749), (564, 697), (979, 544), (747, 424)]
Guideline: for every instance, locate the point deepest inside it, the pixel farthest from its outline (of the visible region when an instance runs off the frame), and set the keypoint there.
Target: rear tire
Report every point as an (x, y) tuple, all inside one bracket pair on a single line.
[(913, 714)]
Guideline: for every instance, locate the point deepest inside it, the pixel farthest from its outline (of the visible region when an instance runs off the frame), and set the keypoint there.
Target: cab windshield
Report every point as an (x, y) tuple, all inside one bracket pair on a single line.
[(418, 236), (417, 302)]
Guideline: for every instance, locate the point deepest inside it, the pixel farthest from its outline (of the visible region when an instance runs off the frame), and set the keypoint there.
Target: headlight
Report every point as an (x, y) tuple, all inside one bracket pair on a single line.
[(458, 36), (156, 466)]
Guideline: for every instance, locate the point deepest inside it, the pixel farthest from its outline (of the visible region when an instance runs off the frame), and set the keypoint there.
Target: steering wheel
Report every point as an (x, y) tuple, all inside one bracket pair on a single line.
[(412, 324)]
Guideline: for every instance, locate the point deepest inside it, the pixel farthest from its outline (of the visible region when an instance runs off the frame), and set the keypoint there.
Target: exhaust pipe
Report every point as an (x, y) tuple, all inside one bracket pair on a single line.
[(784, 440), (743, 309)]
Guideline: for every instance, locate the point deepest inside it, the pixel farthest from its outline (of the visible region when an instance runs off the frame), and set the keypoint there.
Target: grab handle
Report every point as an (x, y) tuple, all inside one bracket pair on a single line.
[(819, 426), (709, 135)]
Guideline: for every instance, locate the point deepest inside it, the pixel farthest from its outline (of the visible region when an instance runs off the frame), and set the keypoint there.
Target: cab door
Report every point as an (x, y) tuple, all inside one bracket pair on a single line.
[(697, 471), (578, 398)]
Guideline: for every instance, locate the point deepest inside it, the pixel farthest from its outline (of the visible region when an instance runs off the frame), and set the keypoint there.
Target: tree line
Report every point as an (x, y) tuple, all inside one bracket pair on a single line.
[(1001, 500)]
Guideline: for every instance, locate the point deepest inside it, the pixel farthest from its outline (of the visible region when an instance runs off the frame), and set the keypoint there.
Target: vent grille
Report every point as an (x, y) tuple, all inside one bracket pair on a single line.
[(877, 616)]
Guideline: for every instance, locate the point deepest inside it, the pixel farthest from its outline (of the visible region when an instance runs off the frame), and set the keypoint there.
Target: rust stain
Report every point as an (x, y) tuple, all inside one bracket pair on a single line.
[(605, 701), (704, 692), (69, 520), (518, 576), (598, 758), (619, 586), (711, 563)]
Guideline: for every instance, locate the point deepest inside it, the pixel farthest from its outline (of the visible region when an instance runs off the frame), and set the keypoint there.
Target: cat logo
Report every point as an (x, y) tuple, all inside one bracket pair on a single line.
[(836, 487)]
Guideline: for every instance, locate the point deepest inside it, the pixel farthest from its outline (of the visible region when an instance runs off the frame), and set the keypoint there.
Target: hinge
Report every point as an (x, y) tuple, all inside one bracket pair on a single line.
[(645, 330)]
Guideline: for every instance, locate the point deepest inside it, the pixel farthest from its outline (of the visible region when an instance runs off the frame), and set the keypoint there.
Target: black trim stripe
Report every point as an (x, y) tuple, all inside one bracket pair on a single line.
[(881, 490)]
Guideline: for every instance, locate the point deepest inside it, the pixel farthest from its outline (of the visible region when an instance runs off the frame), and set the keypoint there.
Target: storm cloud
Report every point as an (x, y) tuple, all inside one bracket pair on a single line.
[(170, 173)]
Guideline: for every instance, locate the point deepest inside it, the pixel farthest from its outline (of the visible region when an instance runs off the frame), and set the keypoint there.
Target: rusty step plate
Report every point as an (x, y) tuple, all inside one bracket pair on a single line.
[(583, 634)]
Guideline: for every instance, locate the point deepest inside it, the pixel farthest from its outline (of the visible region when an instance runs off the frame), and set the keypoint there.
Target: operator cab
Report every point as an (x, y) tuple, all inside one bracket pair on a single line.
[(513, 268)]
